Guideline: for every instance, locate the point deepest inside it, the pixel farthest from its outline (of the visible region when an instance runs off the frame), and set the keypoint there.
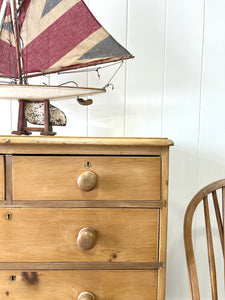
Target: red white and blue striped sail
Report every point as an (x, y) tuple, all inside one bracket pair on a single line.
[(8, 61), (56, 35)]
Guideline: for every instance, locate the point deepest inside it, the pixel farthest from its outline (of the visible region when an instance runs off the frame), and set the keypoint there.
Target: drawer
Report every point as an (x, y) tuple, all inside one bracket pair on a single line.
[(2, 178), (58, 285), (50, 235), (55, 177)]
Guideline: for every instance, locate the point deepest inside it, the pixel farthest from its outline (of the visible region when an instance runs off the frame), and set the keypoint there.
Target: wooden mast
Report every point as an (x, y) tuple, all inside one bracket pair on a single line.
[(21, 3), (21, 119), (17, 42)]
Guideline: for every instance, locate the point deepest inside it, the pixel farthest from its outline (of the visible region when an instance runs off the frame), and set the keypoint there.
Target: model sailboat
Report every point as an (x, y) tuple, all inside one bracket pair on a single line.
[(39, 37)]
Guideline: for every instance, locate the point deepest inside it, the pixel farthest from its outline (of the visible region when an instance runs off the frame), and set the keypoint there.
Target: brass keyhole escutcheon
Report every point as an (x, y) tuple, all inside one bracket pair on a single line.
[(86, 296), (86, 239), (87, 181)]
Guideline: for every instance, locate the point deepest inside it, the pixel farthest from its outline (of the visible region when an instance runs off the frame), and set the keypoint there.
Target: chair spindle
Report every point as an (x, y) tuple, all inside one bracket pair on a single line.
[(211, 256)]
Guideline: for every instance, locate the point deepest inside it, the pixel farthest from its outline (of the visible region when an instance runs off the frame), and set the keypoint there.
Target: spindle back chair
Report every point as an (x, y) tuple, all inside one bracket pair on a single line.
[(203, 195)]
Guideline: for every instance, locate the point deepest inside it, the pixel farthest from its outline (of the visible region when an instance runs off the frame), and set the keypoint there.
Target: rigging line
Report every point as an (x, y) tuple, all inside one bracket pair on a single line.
[(21, 60), (114, 74), (71, 81), (113, 64), (17, 40), (88, 69), (14, 68), (13, 64), (23, 73)]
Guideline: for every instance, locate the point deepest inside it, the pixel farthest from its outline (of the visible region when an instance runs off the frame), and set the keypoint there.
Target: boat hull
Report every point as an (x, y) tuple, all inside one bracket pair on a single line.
[(42, 92)]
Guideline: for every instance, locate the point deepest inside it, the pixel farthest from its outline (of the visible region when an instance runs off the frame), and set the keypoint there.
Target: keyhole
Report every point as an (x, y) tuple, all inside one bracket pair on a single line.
[(88, 164), (8, 216), (13, 277)]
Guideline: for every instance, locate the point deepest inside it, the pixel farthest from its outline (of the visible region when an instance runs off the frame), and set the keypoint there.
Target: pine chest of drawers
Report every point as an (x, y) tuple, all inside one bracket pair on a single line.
[(83, 218)]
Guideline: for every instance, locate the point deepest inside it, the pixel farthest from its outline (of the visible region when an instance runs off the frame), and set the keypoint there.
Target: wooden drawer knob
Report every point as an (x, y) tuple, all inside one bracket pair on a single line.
[(86, 296), (86, 239), (87, 181)]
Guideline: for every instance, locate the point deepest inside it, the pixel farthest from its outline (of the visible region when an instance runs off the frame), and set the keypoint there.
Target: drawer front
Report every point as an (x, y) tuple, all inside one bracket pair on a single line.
[(58, 285), (50, 235), (55, 178), (2, 178)]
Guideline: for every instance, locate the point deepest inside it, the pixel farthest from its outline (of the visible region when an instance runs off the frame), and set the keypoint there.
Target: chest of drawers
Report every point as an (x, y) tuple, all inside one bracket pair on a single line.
[(83, 218)]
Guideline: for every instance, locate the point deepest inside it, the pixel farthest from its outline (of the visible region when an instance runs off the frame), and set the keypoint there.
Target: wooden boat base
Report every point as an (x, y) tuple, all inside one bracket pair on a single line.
[(21, 132), (48, 133), (22, 128)]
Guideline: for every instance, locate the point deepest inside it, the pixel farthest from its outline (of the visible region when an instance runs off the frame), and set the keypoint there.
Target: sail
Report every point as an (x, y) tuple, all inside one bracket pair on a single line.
[(8, 62), (63, 34)]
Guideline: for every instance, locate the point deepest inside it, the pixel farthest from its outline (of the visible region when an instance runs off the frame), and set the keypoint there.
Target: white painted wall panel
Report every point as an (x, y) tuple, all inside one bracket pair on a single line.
[(146, 38), (106, 115), (5, 117), (212, 129), (183, 65)]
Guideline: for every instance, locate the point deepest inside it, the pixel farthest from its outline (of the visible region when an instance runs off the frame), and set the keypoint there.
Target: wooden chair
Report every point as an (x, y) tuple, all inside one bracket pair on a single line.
[(203, 195)]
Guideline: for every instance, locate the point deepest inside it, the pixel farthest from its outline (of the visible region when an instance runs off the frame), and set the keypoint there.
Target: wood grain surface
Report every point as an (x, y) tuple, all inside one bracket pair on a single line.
[(57, 285), (55, 178), (49, 235), (81, 146), (2, 178), (163, 224), (84, 141)]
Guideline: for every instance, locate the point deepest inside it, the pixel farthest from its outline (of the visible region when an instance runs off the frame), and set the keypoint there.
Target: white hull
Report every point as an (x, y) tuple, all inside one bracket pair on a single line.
[(42, 92)]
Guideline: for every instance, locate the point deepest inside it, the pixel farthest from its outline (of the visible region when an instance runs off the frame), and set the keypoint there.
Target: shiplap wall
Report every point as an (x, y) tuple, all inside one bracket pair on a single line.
[(173, 88)]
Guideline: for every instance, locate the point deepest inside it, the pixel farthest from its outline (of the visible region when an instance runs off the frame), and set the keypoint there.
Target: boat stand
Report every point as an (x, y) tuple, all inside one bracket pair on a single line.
[(23, 129)]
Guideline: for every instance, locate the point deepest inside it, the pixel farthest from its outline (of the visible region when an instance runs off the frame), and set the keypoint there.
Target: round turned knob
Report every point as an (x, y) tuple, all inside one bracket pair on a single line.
[(87, 181), (86, 296), (86, 239)]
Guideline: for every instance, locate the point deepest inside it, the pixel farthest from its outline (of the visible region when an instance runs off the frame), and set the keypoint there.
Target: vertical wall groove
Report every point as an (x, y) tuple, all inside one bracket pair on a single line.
[(87, 109), (202, 74), (164, 68), (125, 74)]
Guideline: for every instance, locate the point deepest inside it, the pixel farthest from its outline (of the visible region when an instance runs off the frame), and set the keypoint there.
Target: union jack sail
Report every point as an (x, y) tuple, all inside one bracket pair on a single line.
[(56, 35), (8, 61)]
